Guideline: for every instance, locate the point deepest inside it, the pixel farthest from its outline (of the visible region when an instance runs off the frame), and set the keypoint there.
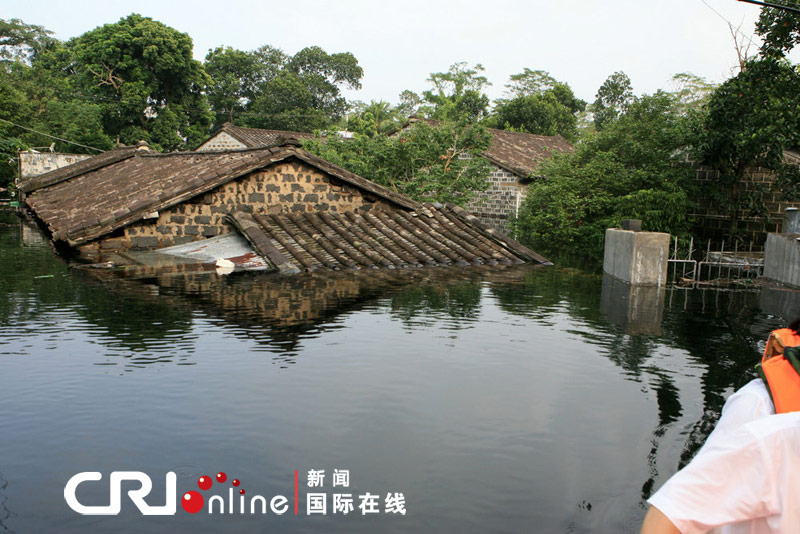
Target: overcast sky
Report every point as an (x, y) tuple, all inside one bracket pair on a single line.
[(398, 44)]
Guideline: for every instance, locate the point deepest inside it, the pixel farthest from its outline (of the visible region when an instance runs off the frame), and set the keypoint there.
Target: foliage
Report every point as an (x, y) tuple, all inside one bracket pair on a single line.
[(632, 168), (691, 92), (303, 92), (373, 118), (20, 42), (612, 99), (457, 95), (149, 85), (751, 120), (529, 82), (428, 163), (236, 77), (540, 105), (779, 29)]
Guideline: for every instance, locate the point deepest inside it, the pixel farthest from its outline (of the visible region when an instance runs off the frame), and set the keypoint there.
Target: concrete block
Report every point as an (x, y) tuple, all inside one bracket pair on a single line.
[(782, 259), (639, 258)]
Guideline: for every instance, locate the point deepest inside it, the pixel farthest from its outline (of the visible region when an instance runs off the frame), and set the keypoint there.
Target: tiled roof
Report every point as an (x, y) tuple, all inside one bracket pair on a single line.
[(378, 238), (256, 137), (522, 153), (112, 190)]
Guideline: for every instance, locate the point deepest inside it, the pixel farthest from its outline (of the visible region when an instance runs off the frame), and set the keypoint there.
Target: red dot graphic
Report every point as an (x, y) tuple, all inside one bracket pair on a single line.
[(192, 502), (204, 482), (221, 477), (241, 492), (235, 482)]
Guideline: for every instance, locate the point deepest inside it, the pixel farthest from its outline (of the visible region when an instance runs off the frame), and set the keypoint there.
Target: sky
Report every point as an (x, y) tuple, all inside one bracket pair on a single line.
[(398, 44)]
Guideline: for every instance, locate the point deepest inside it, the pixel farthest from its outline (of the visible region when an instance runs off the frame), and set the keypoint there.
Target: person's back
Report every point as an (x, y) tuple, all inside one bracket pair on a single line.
[(744, 477)]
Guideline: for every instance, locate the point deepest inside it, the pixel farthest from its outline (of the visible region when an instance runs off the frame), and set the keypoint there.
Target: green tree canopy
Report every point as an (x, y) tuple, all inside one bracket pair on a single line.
[(632, 168), (779, 28), (612, 99), (303, 92), (457, 95), (751, 120), (425, 162), (148, 84), (540, 105)]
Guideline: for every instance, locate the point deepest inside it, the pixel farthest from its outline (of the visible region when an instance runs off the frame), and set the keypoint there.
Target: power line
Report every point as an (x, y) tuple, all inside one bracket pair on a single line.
[(775, 6), (51, 136), (730, 24)]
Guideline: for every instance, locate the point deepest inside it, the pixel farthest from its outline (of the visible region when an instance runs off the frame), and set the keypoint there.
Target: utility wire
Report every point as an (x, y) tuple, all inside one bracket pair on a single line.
[(730, 24), (795, 9), (51, 136)]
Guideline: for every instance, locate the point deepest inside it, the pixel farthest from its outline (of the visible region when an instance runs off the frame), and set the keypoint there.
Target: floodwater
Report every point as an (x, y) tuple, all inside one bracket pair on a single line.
[(518, 400)]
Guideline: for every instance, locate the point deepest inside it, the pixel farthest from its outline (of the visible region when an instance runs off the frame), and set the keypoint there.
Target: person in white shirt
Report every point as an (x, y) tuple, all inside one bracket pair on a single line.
[(741, 480)]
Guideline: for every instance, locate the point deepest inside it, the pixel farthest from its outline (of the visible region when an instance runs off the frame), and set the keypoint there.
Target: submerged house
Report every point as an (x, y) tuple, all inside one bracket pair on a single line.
[(515, 158), (298, 211)]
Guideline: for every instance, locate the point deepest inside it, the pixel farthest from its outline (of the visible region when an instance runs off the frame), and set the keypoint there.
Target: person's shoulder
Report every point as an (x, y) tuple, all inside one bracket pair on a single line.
[(752, 399)]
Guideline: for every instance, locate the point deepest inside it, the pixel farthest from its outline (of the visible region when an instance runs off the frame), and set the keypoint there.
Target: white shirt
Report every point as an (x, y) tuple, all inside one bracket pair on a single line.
[(742, 477)]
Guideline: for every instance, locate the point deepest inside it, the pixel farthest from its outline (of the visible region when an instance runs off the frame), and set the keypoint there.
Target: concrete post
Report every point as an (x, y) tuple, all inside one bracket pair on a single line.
[(782, 259), (639, 258), (791, 223)]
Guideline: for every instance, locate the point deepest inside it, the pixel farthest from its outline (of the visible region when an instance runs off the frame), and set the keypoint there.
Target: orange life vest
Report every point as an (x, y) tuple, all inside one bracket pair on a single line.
[(780, 370)]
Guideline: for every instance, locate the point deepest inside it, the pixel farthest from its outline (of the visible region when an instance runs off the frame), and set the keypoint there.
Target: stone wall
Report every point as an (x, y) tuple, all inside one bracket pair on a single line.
[(35, 163), (498, 202), (713, 216), (221, 141), (286, 187)]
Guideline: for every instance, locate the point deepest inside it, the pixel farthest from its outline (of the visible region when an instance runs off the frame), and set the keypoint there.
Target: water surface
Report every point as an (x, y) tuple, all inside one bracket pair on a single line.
[(518, 400)]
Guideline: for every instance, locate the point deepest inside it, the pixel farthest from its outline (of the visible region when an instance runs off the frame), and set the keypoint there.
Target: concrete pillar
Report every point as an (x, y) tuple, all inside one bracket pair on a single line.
[(791, 224), (782, 259), (639, 258)]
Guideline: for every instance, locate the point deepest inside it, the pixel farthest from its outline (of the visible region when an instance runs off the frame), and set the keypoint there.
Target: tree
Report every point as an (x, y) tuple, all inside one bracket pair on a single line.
[(150, 85), (540, 105), (237, 77), (529, 82), (457, 95), (612, 99), (425, 162), (691, 92), (20, 42), (632, 168), (751, 120), (373, 118), (779, 28), (305, 94)]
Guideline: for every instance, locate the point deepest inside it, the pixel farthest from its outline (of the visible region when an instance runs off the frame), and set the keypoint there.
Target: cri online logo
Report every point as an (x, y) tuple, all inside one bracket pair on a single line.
[(192, 501)]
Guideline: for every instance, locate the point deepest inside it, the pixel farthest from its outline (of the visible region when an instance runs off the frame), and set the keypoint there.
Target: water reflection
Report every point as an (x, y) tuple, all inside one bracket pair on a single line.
[(635, 309)]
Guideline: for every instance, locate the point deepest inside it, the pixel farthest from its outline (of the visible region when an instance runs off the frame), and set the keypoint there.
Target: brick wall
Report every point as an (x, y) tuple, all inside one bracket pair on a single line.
[(35, 163), (713, 214), (287, 187), (499, 201)]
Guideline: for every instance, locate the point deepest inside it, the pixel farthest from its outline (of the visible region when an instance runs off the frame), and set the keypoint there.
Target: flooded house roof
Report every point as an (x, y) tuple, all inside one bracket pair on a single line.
[(254, 137), (120, 187), (522, 153), (92, 199), (431, 235)]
